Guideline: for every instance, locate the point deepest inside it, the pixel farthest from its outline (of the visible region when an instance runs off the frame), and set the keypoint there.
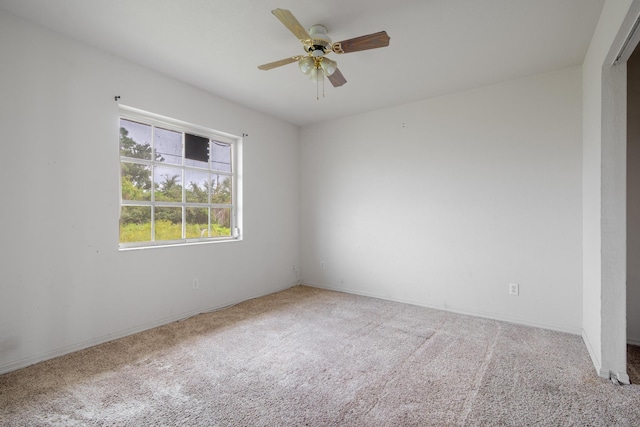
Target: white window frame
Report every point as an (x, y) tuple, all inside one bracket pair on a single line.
[(235, 142)]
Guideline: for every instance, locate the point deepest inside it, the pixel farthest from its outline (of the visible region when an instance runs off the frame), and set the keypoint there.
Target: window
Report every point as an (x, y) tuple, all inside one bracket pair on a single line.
[(178, 182)]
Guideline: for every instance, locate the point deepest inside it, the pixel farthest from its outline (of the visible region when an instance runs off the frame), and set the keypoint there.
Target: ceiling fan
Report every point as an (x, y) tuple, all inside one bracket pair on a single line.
[(317, 45)]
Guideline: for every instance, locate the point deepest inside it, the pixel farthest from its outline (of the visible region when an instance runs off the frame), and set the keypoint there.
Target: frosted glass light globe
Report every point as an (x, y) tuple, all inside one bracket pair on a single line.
[(307, 64), (328, 66), (316, 75)]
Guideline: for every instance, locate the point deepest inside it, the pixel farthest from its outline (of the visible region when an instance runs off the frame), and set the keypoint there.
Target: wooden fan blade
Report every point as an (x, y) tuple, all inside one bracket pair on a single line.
[(291, 23), (371, 41), (337, 79), (280, 63)]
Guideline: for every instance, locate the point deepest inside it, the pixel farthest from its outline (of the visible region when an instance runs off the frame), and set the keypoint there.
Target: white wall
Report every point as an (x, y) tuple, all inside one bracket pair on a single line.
[(64, 284), (604, 229), (633, 199), (446, 201)]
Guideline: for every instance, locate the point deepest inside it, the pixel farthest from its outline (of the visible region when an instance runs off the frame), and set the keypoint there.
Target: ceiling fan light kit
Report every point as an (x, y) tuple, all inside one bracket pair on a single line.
[(317, 43)]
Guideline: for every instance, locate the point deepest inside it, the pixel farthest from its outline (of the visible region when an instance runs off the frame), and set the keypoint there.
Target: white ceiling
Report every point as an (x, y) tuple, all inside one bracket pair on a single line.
[(437, 46)]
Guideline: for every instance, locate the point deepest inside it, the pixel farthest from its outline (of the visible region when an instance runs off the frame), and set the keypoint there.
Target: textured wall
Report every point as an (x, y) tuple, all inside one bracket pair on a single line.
[(604, 168), (446, 201), (64, 283)]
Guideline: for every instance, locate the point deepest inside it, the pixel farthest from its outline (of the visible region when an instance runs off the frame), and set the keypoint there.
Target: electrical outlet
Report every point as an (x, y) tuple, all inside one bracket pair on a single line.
[(196, 283), (514, 289), (322, 265)]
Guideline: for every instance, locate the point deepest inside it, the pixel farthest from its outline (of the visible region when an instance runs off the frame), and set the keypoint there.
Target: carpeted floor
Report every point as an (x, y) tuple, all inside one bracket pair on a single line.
[(313, 357)]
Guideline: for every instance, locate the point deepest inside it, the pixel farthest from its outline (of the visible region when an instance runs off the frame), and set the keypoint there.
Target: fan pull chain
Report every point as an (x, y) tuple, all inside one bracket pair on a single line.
[(320, 72)]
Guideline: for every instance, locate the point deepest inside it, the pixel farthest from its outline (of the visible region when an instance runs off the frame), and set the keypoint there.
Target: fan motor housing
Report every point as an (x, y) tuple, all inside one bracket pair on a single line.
[(319, 40)]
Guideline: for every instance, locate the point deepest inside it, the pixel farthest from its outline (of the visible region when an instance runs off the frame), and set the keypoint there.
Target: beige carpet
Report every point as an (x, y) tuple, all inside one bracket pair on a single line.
[(313, 357)]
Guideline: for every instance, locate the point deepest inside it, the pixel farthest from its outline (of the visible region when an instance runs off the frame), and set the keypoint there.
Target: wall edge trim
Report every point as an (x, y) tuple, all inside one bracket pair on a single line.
[(475, 313), (43, 357)]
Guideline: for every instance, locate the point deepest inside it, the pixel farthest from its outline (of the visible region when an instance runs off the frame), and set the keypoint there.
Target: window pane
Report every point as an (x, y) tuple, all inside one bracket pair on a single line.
[(197, 190), (196, 150), (221, 189), (220, 222), (197, 220), (135, 224), (135, 140), (168, 145), (136, 181), (168, 184), (220, 156), (168, 223), (176, 183)]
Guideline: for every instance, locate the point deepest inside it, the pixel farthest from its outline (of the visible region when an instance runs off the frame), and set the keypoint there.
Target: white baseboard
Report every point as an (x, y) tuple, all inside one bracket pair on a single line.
[(633, 341), (32, 360), (453, 309), (595, 359), (620, 377)]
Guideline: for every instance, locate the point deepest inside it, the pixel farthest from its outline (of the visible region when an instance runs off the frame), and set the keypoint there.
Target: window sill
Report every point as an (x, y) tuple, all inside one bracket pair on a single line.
[(135, 247)]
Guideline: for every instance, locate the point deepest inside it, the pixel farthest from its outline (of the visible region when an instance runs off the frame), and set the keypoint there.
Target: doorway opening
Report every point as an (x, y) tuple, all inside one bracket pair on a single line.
[(633, 217)]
